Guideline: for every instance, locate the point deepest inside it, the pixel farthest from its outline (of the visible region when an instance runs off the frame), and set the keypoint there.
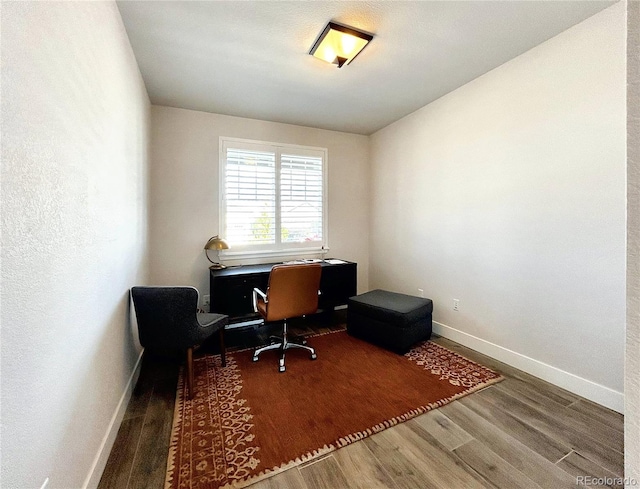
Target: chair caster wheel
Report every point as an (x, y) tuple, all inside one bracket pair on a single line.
[(281, 369), (255, 359), (314, 356)]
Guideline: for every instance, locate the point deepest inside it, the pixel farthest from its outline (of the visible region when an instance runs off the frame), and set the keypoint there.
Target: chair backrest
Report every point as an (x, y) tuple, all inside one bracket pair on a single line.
[(293, 291), (166, 316)]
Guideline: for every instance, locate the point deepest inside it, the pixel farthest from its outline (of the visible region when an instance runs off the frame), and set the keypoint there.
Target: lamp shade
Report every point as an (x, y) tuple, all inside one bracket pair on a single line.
[(216, 243)]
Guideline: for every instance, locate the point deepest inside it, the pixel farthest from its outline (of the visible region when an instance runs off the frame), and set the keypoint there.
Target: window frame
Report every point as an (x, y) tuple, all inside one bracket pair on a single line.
[(278, 248)]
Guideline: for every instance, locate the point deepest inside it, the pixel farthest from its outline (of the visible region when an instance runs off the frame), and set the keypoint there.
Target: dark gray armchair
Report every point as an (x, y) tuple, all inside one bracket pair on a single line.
[(168, 321)]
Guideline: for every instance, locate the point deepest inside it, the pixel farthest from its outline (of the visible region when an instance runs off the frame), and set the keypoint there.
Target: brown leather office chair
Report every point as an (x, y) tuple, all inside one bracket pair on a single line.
[(292, 292)]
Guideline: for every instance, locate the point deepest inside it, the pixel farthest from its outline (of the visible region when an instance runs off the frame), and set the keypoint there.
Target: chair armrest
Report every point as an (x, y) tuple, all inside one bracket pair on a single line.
[(257, 292)]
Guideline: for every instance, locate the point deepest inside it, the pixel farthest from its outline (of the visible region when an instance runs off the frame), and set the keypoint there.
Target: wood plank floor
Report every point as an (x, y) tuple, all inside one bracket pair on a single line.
[(520, 433)]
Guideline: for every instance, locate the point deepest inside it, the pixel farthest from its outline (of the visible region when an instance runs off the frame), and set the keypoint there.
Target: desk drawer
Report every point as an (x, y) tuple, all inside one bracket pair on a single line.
[(338, 284), (234, 295)]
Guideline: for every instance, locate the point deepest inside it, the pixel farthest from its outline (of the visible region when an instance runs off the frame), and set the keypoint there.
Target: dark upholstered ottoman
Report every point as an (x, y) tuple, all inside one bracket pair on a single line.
[(394, 321)]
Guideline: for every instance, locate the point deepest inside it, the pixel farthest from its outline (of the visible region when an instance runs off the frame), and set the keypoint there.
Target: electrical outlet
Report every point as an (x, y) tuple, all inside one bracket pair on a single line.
[(207, 300), (456, 304), (420, 292)]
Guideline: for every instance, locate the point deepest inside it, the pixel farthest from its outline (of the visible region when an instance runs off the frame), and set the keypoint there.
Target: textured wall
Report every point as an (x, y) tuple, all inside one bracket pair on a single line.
[(632, 380), (509, 195), (75, 118), (184, 189)]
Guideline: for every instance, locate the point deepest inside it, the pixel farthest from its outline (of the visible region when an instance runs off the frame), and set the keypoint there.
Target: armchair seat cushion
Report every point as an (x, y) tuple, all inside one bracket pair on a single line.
[(207, 319), (394, 321)]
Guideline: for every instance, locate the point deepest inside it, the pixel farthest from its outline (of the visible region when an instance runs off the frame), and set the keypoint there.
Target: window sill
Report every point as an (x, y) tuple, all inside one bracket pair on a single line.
[(249, 255)]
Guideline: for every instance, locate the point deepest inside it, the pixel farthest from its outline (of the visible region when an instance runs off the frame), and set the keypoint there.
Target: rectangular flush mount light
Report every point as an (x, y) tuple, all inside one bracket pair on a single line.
[(339, 44)]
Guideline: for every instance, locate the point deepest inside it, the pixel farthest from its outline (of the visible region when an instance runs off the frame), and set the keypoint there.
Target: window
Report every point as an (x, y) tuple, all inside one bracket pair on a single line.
[(273, 197)]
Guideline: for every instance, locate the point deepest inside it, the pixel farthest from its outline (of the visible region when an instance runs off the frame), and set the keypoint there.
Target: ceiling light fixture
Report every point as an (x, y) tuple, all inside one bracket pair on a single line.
[(339, 44)]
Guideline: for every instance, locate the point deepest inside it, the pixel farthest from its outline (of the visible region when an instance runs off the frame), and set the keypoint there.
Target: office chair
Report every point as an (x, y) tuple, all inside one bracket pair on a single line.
[(292, 292), (168, 321)]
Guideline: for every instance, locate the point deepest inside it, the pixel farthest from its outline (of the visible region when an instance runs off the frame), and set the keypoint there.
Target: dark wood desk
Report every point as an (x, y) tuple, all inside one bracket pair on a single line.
[(231, 288)]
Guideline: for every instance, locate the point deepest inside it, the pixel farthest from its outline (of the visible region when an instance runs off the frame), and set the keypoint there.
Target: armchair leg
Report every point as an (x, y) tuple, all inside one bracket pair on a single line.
[(223, 352), (190, 372)]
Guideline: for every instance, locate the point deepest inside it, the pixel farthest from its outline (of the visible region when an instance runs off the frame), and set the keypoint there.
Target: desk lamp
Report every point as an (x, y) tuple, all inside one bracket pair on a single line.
[(215, 243)]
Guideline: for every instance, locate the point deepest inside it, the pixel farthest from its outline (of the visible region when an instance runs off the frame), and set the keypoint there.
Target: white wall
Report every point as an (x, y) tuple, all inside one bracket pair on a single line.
[(632, 367), (75, 121), (184, 189), (509, 195)]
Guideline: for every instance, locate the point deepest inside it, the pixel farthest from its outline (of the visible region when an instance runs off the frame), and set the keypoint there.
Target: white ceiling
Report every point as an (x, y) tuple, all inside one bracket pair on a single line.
[(250, 58)]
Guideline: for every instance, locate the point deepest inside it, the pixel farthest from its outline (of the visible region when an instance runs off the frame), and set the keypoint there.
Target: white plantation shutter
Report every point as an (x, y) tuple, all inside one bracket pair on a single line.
[(300, 198), (273, 196), (250, 195)]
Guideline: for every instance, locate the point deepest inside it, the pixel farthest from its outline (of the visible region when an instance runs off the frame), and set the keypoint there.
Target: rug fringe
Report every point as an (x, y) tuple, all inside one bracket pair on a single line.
[(175, 432), (267, 473)]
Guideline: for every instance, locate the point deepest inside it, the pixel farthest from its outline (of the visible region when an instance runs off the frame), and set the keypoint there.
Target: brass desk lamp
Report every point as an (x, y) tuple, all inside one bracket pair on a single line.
[(215, 243)]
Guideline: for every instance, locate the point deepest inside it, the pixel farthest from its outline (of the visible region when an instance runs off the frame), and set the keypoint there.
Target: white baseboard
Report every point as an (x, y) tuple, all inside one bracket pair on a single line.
[(595, 392), (100, 461)]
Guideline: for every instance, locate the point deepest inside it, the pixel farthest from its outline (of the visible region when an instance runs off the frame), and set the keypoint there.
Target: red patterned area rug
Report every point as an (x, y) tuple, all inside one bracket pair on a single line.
[(247, 421)]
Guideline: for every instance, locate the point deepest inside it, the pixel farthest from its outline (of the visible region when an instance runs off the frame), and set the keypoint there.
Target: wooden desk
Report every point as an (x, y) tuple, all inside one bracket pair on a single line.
[(231, 288)]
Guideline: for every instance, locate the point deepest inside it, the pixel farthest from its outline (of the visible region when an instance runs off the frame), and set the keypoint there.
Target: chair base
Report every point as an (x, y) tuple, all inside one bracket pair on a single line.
[(283, 344)]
